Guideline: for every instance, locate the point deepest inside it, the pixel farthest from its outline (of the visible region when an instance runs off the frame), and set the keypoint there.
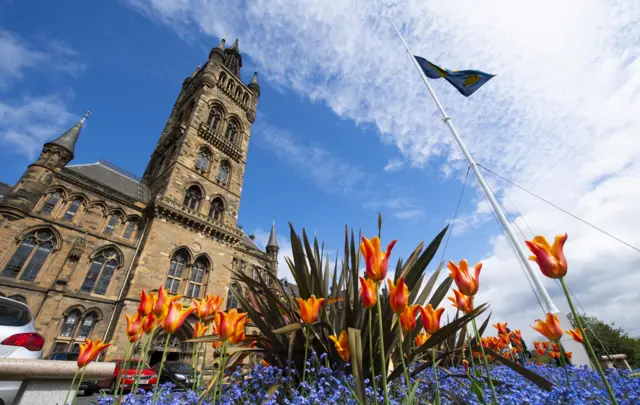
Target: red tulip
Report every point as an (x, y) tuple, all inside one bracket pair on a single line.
[(376, 261), (431, 318), (467, 282), (369, 292), (398, 295), (550, 259)]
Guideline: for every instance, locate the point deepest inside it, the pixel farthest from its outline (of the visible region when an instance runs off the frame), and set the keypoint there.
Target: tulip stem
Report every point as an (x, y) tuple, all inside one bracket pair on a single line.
[(306, 351), (204, 359), (145, 349), (220, 376), (75, 375), (385, 388), (373, 370), (473, 363), (164, 356), (587, 344), (486, 363), (194, 364), (564, 364), (127, 358), (84, 370), (435, 375), (404, 367)]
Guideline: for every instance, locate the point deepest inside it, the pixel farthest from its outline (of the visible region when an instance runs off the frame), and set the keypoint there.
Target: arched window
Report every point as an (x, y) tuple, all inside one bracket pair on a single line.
[(192, 197), (238, 92), (222, 78), (215, 117), (232, 131), (86, 326), (232, 302), (230, 86), (132, 225), (196, 277), (73, 208), (30, 256), (203, 160), (178, 262), (51, 203), (245, 98), (223, 172), (102, 267), (112, 223), (69, 323), (216, 210)]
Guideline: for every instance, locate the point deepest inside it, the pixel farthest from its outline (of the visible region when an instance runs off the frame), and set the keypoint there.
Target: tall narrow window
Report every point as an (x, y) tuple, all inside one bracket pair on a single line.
[(174, 276), (203, 160), (69, 324), (245, 98), (100, 272), (222, 78), (217, 209), (196, 277), (86, 326), (112, 223), (223, 173), (131, 228), (73, 208), (232, 302), (48, 206), (30, 256), (230, 86), (192, 197), (215, 117), (232, 132)]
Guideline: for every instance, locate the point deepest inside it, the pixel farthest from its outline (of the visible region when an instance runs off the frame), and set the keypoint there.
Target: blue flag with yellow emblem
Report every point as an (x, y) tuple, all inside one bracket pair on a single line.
[(465, 81)]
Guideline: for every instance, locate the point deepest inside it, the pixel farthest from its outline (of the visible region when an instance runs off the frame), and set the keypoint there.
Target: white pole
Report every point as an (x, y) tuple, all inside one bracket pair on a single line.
[(485, 188)]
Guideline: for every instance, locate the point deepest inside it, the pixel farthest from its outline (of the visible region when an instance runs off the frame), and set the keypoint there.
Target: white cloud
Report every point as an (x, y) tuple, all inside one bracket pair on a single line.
[(568, 77), (393, 165)]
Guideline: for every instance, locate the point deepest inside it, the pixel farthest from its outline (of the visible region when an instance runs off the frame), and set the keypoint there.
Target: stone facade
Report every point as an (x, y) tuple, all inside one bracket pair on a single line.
[(79, 242)]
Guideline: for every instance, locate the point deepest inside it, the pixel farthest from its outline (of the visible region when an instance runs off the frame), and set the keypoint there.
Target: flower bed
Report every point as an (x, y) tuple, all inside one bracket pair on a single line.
[(329, 387)]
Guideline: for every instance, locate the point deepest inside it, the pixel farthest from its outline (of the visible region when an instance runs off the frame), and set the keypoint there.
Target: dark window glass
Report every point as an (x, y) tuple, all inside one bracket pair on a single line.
[(105, 277), (175, 273), (232, 132), (192, 197), (196, 278), (223, 172), (36, 262), (69, 324), (92, 275), (86, 326), (51, 203), (231, 300), (202, 161), (14, 315), (18, 298), (29, 259), (111, 225), (19, 258), (73, 208), (216, 210), (215, 117), (131, 227)]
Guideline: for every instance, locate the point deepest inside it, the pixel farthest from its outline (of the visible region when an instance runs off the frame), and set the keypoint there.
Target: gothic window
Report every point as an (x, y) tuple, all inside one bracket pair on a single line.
[(30, 255), (203, 160), (230, 86), (223, 172), (112, 223), (245, 98), (222, 78), (238, 92), (178, 263), (216, 210), (75, 328), (100, 272), (69, 323), (132, 224), (51, 203), (192, 197), (232, 302), (215, 117), (73, 208), (232, 131), (197, 277), (86, 326)]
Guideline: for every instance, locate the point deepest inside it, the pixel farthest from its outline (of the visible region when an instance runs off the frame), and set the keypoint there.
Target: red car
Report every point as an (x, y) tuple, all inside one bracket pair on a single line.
[(147, 377)]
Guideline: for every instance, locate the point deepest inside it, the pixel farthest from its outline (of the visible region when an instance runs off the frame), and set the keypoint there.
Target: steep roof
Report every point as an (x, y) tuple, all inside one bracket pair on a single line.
[(113, 177), (69, 139)]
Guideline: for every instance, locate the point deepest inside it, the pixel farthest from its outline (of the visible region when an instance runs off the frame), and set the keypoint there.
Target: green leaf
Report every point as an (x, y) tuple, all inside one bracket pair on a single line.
[(355, 345), (289, 328), (523, 371), (441, 291), (475, 388)]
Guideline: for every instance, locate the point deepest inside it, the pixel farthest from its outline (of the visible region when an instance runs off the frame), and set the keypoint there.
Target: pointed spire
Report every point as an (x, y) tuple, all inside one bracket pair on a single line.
[(221, 44), (255, 78), (235, 45), (70, 137), (254, 84), (273, 243)]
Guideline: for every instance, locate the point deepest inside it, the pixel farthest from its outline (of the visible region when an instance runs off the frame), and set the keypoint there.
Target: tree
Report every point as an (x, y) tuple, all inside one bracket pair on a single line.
[(614, 339)]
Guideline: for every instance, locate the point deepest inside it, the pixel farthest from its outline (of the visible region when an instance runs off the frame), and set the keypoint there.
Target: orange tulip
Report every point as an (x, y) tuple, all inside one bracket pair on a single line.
[(463, 302), (576, 335), (203, 309), (550, 328), (90, 350), (502, 328), (465, 364), (550, 258), (555, 347), (568, 355), (146, 303), (226, 323), (239, 333), (342, 345), (149, 323), (408, 317), (175, 317), (199, 330), (505, 339), (421, 338), (431, 318), (161, 302), (217, 344), (264, 363), (555, 355), (309, 309), (369, 292), (398, 295), (467, 283), (517, 335), (133, 325), (376, 261), (214, 303)]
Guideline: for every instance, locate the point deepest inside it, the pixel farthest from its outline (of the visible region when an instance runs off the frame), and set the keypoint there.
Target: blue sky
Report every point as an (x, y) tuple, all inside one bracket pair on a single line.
[(345, 128)]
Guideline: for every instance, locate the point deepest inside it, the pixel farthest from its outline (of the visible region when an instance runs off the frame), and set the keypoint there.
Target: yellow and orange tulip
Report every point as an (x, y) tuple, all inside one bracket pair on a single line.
[(342, 345), (199, 329), (377, 262), (554, 355), (467, 282), (408, 317), (149, 323), (463, 302), (550, 328), (421, 338), (550, 258), (203, 309), (502, 328), (239, 334), (568, 354), (310, 309), (146, 303), (90, 350), (398, 295), (133, 326), (431, 318), (214, 303), (369, 292), (465, 364), (175, 317), (576, 335), (227, 322)]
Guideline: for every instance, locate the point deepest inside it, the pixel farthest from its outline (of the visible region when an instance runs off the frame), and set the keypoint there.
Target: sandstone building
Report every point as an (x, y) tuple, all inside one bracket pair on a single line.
[(78, 242)]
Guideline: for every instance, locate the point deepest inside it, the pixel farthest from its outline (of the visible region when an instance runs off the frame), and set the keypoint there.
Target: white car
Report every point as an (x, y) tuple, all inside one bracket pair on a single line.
[(18, 340)]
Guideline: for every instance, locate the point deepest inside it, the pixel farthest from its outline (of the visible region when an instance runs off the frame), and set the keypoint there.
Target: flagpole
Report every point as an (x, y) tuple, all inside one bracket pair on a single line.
[(551, 307)]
